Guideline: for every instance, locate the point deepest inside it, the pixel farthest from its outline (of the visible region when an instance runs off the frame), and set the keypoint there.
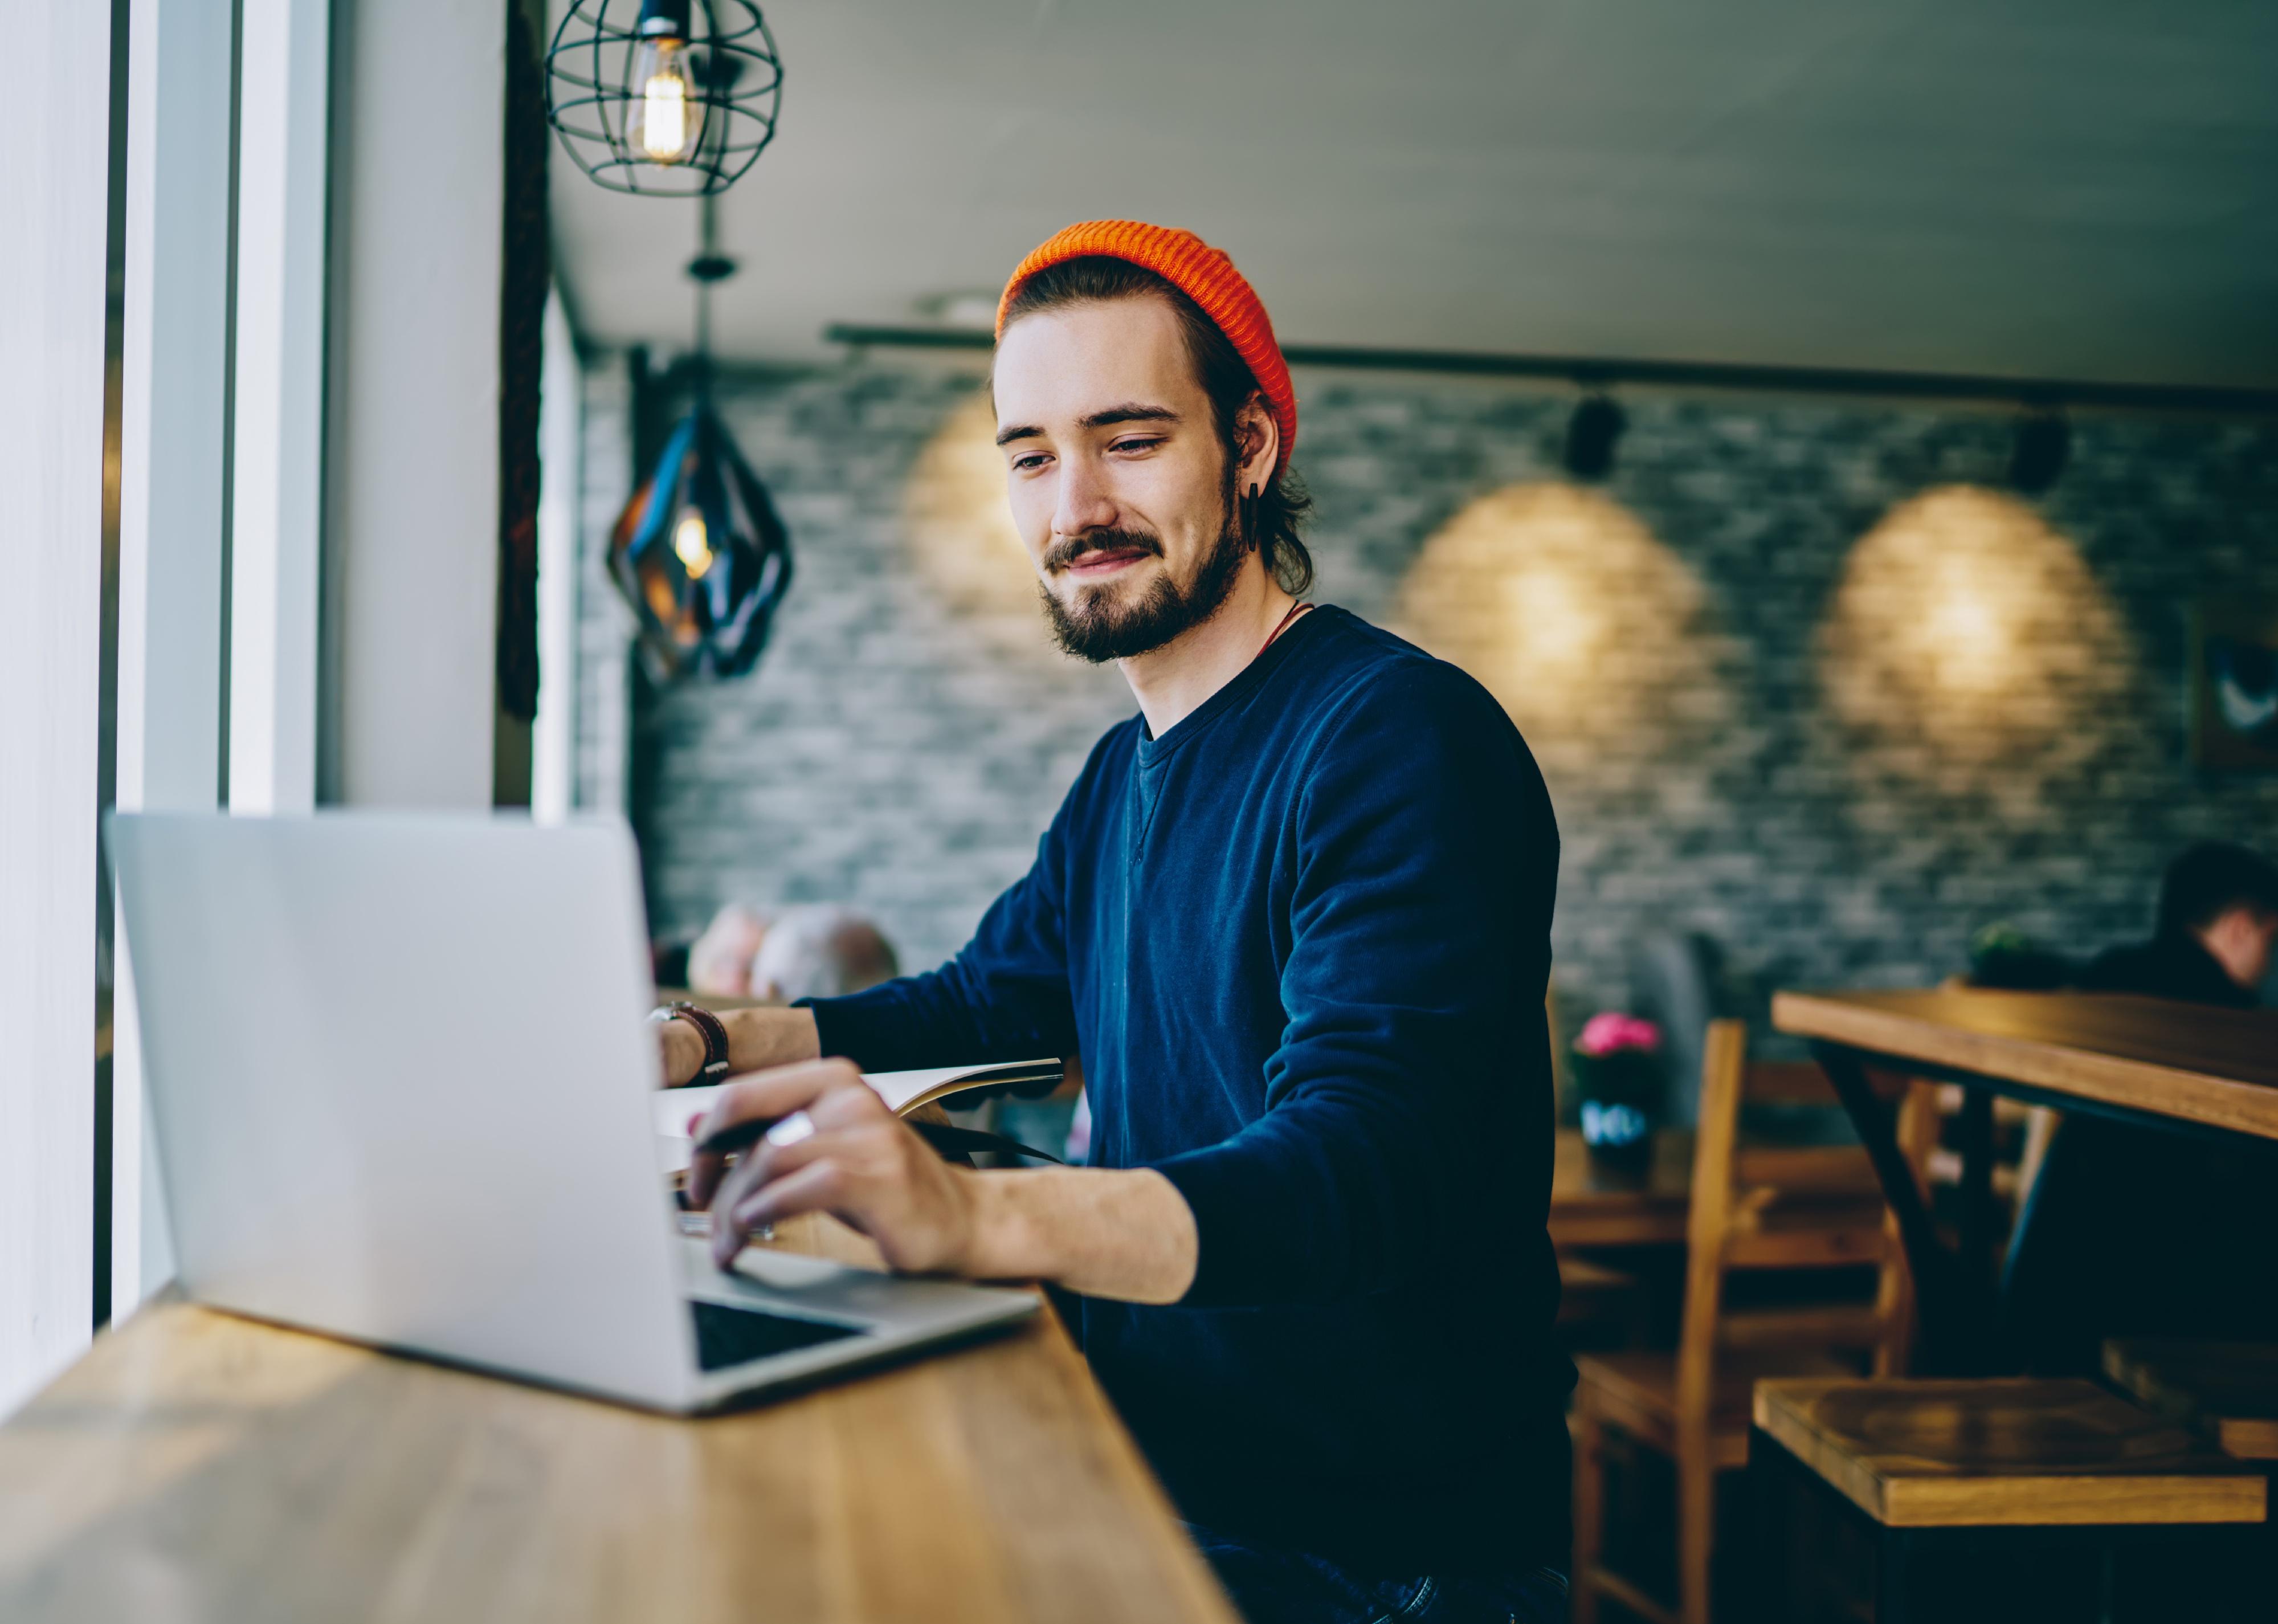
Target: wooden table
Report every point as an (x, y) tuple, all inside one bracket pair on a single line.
[(1592, 1205), (2184, 1067), (194, 1466)]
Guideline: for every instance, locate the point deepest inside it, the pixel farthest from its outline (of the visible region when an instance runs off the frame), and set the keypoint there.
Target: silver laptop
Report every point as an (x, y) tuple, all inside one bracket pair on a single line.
[(401, 1079)]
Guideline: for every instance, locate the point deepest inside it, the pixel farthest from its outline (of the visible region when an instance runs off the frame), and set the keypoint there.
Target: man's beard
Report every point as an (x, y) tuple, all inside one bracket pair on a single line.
[(1099, 629)]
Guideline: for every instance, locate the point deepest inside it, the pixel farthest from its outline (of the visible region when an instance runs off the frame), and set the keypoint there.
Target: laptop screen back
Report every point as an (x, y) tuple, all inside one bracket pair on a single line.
[(400, 1075)]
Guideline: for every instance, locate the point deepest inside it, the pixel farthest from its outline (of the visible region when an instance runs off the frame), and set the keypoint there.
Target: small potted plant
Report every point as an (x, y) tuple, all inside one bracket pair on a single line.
[(1618, 1082)]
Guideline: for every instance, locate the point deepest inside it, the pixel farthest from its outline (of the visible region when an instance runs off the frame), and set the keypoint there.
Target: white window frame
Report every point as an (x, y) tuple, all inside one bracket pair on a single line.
[(54, 220), (173, 441), (223, 489), (181, 553), (276, 481)]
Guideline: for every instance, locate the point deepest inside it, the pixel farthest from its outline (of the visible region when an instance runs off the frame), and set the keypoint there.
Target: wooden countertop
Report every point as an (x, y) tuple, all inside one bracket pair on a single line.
[(2192, 1062), (194, 1466)]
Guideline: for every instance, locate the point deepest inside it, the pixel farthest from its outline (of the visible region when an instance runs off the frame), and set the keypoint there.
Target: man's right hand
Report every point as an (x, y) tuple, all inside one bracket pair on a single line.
[(757, 1038)]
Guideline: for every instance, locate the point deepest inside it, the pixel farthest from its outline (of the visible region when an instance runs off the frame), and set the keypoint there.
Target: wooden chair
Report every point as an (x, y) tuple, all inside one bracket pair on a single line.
[(2228, 1391), (1795, 1207), (1557, 1044), (1979, 1498), (2033, 1126), (1606, 1307)]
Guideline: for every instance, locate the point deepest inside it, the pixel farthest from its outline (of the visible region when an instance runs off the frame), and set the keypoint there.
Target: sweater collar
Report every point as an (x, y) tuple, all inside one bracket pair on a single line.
[(1302, 633)]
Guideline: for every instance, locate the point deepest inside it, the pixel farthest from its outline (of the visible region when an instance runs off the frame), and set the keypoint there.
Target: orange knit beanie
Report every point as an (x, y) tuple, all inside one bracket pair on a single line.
[(1205, 275)]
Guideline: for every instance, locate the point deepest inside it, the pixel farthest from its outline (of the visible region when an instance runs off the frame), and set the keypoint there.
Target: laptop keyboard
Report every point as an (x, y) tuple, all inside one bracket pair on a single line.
[(726, 1336)]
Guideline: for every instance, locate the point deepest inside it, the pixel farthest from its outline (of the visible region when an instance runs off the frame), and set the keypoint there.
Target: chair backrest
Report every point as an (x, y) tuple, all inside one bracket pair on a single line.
[(1786, 1207), (1676, 981)]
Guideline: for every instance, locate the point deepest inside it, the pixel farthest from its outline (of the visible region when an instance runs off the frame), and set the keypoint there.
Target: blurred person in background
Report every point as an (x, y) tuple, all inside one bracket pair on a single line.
[(2133, 1230), (819, 950), (812, 950), (2216, 923), (720, 960)]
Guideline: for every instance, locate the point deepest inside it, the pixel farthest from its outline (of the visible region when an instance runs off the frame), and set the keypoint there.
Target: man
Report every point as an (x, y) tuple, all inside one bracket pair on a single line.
[(2218, 920), (1295, 917), (2139, 1231)]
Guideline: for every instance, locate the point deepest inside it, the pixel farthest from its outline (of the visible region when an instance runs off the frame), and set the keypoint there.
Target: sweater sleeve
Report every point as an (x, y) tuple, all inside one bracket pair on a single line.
[(1426, 863), (1004, 998)]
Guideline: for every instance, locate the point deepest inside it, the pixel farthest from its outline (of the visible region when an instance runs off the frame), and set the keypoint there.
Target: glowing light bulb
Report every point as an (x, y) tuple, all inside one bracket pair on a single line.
[(661, 123), (692, 544)]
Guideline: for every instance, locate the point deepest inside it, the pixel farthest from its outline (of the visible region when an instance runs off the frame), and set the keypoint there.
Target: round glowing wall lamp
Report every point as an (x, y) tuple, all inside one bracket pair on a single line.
[(668, 98), (701, 555)]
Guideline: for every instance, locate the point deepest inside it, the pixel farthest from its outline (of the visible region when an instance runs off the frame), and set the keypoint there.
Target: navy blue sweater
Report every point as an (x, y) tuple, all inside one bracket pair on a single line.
[(1300, 942)]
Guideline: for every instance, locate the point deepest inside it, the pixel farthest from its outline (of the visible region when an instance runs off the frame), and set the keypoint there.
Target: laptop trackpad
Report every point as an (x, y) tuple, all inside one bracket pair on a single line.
[(726, 1336)]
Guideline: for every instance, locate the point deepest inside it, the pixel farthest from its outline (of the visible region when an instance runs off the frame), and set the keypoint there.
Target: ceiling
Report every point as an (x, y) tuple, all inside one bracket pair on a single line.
[(2086, 190)]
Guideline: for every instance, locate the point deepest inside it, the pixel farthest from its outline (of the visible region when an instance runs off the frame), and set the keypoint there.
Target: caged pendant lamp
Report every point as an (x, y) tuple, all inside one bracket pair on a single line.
[(699, 551), (668, 98)]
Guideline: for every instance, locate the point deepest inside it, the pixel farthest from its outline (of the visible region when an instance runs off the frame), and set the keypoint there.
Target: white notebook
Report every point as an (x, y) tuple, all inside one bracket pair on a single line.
[(904, 1092)]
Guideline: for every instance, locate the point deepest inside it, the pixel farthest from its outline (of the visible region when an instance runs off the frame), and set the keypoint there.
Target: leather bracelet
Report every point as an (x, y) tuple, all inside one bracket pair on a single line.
[(710, 1029)]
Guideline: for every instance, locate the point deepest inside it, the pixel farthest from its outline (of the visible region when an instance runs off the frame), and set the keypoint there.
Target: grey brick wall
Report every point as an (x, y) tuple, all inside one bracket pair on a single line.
[(604, 721), (1798, 675)]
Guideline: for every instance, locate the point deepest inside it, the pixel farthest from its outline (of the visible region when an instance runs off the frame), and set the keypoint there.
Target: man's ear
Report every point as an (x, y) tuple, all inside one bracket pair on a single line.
[(1257, 441)]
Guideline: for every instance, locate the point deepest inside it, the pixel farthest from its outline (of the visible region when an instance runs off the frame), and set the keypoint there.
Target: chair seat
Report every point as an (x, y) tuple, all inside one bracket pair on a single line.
[(1637, 1392), (1580, 1276), (2014, 1452), (1590, 1291)]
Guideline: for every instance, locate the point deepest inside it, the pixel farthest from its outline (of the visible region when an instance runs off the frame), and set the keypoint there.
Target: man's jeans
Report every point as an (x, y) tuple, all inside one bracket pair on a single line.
[(1288, 1587)]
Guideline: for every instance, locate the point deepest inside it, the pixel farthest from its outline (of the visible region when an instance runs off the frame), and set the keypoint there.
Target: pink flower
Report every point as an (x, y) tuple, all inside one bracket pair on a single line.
[(1609, 1032)]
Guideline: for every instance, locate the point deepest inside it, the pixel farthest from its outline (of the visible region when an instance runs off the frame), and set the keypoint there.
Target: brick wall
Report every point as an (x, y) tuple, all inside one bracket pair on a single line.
[(1799, 675)]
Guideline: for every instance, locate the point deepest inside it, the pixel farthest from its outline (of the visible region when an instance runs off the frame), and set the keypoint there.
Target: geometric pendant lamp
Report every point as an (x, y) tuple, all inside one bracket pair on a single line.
[(701, 555)]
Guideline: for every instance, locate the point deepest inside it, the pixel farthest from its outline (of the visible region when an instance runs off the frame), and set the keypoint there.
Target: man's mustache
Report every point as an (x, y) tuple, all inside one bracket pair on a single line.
[(1060, 555)]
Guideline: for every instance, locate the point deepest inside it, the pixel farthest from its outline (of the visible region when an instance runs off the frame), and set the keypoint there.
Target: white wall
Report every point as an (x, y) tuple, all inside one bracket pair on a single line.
[(54, 192), (414, 488), (560, 433)]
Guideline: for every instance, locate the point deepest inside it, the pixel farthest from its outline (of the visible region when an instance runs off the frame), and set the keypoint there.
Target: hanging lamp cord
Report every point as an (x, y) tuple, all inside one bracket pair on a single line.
[(708, 253)]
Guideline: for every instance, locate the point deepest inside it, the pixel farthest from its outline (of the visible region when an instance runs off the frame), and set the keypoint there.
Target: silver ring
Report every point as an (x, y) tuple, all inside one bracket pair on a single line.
[(798, 1125)]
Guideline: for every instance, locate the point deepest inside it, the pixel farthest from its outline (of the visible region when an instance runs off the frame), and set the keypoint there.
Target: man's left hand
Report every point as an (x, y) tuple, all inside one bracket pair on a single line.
[(835, 1148)]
